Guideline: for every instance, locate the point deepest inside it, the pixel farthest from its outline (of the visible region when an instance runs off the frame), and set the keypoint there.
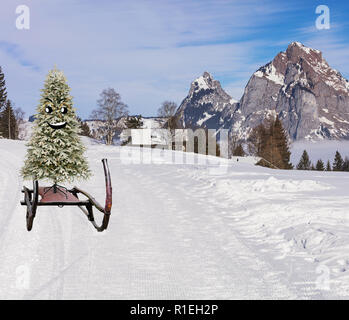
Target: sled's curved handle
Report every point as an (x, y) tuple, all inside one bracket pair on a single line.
[(92, 202), (108, 188), (35, 196)]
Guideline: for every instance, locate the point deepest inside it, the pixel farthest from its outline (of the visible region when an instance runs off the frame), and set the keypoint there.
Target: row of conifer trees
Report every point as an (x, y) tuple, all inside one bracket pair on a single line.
[(338, 163), (269, 141)]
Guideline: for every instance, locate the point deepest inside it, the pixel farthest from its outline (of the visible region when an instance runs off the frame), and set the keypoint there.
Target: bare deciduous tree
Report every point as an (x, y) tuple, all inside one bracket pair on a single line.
[(110, 110), (168, 110), (19, 115)]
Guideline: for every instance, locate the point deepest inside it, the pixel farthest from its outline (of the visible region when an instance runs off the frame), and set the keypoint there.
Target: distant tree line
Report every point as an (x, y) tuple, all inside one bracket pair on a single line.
[(10, 117), (338, 163), (268, 140)]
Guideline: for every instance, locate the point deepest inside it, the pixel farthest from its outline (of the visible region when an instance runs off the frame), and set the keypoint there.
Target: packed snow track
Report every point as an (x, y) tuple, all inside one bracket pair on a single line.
[(221, 230)]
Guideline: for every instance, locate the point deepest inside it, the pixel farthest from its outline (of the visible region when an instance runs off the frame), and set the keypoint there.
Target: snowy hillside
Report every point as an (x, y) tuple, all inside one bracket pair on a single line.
[(208, 229)]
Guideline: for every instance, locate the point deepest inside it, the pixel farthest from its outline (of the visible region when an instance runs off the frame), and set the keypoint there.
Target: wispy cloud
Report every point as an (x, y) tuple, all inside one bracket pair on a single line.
[(14, 51), (149, 50), (332, 42)]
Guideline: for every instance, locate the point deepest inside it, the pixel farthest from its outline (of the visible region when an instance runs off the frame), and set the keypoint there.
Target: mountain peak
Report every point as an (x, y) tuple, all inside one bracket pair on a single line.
[(207, 75), (310, 98), (297, 50), (204, 82), (301, 46), (204, 103)]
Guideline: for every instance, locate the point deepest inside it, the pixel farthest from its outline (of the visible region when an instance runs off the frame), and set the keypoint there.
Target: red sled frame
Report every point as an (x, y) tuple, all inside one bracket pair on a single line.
[(31, 200)]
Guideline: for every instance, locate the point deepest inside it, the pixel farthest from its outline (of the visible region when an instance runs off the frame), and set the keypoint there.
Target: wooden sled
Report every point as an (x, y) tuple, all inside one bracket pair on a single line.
[(60, 196)]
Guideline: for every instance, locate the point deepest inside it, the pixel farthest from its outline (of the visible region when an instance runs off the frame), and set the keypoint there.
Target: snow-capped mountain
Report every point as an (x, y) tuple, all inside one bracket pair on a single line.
[(298, 85), (205, 104)]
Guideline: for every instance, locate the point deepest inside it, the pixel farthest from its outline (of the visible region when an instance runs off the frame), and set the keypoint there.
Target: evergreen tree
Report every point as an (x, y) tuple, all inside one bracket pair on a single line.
[(281, 143), (328, 166), (8, 122), (239, 151), (3, 93), (304, 163), (257, 140), (84, 128), (55, 151), (338, 162), (271, 153), (3, 97), (320, 166), (135, 122), (346, 164), (132, 123), (270, 142)]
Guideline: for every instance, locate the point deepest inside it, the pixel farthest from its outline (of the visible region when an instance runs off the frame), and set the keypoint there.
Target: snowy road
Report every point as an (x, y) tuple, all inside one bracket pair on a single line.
[(176, 232)]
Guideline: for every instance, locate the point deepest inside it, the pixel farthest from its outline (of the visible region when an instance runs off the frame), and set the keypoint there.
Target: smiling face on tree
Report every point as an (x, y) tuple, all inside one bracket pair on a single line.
[(55, 151), (56, 108)]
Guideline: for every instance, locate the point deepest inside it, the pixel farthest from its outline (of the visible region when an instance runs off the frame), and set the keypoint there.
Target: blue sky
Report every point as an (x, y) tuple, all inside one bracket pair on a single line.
[(150, 51)]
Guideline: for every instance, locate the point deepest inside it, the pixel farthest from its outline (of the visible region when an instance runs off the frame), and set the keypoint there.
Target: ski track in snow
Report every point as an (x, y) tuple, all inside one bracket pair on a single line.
[(178, 232)]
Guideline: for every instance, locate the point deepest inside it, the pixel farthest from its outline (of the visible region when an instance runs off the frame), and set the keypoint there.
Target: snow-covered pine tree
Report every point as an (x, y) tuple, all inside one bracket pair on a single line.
[(304, 163), (338, 162), (55, 151)]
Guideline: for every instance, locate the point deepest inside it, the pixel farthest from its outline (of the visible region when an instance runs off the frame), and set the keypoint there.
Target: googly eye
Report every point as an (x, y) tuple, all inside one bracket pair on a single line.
[(48, 109), (64, 110)]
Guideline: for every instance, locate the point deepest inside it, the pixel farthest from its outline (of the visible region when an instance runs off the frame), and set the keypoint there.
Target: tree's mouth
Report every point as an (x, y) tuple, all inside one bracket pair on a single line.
[(58, 125)]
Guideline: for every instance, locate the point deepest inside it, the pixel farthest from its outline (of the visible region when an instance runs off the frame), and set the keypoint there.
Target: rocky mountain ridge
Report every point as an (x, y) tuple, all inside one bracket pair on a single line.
[(298, 85)]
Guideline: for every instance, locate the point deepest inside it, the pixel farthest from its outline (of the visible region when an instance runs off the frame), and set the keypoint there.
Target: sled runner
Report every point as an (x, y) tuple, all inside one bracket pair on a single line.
[(60, 196)]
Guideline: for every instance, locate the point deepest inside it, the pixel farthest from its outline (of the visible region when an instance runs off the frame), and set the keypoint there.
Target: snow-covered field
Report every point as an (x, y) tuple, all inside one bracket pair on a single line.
[(220, 230)]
